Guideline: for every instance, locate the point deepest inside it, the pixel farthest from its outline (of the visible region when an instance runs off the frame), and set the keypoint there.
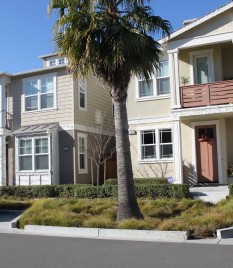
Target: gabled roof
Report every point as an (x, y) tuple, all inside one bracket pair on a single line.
[(198, 21)]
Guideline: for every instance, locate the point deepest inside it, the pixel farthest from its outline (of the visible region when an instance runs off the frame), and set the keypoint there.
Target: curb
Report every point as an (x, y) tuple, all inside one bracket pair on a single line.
[(145, 235)]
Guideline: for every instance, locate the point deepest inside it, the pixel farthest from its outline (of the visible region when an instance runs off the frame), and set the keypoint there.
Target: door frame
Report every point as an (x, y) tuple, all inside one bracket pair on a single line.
[(219, 153)]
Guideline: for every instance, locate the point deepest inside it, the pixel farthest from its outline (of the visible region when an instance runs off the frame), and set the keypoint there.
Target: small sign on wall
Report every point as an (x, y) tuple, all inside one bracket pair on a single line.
[(66, 148)]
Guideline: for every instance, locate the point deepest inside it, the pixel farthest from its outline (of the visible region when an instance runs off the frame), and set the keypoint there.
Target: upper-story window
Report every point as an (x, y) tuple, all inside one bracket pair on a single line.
[(157, 86), (82, 92), (52, 62), (55, 62), (39, 93), (163, 83)]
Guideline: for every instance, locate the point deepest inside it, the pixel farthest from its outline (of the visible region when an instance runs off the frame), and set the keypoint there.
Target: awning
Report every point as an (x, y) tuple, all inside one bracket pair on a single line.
[(33, 129)]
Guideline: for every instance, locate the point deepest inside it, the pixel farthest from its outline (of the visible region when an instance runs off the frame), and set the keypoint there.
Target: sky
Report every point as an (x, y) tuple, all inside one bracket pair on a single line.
[(26, 29)]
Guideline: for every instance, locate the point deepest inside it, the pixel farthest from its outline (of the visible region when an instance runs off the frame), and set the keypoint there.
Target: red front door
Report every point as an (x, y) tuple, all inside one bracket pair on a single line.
[(206, 152)]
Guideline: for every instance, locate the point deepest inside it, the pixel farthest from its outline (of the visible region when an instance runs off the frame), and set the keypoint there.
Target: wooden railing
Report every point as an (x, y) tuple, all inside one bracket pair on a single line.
[(207, 94)]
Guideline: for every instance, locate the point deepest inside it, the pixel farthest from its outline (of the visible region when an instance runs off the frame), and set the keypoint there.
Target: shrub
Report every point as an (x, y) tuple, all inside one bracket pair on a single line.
[(140, 181), (89, 191)]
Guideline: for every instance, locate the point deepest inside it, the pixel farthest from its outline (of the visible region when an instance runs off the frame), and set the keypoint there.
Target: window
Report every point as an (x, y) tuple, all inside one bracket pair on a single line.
[(148, 144), (165, 140), (39, 94), (82, 89), (34, 154), (41, 153), (163, 83), (157, 86), (156, 144), (82, 147), (25, 154), (52, 62), (61, 61), (145, 87)]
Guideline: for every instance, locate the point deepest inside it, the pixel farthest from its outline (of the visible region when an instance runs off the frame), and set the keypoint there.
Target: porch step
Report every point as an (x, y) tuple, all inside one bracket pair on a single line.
[(212, 194)]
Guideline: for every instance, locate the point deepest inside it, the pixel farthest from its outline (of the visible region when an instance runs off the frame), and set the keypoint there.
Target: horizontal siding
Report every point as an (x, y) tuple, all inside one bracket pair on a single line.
[(98, 103), (63, 114)]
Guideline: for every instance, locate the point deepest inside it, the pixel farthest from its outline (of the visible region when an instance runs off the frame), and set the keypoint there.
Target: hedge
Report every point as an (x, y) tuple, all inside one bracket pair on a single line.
[(89, 191), (140, 181)]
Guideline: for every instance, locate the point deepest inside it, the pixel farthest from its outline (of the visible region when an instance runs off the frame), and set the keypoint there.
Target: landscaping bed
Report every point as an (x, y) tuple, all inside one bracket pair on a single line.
[(199, 219)]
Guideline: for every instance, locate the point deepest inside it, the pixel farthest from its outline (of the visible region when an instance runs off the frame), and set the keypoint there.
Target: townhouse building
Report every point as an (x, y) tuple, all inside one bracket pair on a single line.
[(46, 116), (181, 121)]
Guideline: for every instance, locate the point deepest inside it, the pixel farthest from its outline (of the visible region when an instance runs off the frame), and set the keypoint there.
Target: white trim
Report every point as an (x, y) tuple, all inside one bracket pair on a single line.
[(198, 111), (38, 79), (157, 144), (33, 170), (84, 83), (219, 153), (193, 56), (83, 128), (199, 41), (84, 136)]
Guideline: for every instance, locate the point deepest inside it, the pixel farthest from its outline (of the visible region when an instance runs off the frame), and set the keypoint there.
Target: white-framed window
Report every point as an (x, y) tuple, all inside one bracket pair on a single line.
[(82, 94), (148, 144), (165, 143), (163, 80), (82, 153), (156, 144), (33, 153), (158, 86), (39, 93), (52, 63), (56, 62)]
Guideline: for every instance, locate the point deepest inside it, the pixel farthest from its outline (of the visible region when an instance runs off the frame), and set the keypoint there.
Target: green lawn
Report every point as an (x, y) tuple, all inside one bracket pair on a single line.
[(198, 218)]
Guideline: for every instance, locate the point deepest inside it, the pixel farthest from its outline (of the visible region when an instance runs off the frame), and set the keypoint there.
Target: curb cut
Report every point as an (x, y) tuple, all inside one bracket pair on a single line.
[(145, 235)]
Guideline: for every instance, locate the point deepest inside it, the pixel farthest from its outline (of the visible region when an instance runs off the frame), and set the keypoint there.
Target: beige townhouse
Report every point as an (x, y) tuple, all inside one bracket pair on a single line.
[(46, 117), (181, 122)]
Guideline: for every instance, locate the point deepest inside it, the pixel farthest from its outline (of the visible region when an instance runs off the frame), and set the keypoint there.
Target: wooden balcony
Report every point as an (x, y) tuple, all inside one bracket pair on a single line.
[(216, 93)]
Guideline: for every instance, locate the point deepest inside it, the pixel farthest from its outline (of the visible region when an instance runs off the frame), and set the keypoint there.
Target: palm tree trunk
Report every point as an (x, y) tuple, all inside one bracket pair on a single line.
[(127, 203)]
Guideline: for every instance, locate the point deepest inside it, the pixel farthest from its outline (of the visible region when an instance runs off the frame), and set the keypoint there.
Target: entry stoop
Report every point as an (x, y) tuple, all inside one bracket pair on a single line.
[(212, 194)]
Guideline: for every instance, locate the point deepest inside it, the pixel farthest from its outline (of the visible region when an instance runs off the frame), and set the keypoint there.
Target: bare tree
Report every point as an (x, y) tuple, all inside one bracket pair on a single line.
[(101, 145)]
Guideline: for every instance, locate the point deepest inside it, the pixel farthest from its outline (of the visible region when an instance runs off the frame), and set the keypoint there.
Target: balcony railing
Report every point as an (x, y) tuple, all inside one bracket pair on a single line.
[(207, 94)]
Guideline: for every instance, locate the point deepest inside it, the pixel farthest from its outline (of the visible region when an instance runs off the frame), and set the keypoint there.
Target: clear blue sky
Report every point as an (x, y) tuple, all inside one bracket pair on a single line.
[(26, 29)]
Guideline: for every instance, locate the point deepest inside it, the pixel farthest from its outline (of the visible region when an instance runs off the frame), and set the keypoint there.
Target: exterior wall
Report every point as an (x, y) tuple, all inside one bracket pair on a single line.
[(99, 103), (227, 61), (148, 108), (229, 134), (189, 147), (11, 160), (66, 157), (62, 115), (217, 25), (184, 62), (153, 168)]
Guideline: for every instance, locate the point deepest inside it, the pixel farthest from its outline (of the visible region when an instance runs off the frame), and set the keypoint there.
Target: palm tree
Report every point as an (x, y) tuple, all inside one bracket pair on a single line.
[(112, 39)]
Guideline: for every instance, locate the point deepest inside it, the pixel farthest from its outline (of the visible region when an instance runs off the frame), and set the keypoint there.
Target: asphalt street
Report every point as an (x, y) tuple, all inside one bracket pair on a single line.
[(29, 251)]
